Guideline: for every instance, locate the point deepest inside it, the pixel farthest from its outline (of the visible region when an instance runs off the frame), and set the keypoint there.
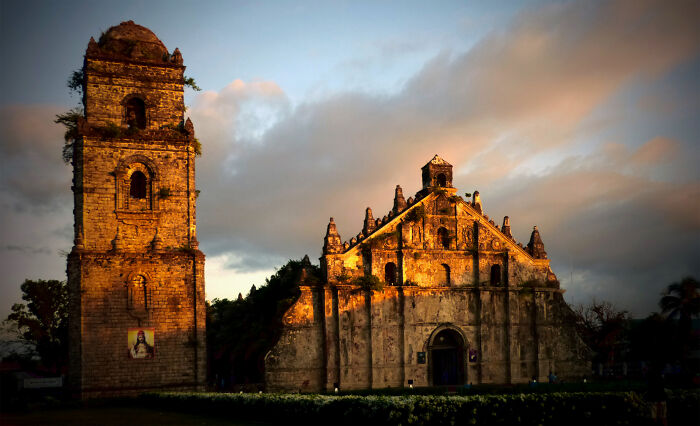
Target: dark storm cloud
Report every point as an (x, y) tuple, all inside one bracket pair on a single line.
[(33, 175), (35, 199), (624, 235), (518, 93), (273, 173)]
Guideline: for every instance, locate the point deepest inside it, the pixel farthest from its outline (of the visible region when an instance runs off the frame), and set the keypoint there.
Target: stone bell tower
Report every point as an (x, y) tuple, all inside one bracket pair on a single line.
[(135, 273)]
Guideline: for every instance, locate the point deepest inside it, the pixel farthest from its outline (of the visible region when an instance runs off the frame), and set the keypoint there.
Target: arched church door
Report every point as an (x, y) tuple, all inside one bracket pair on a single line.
[(447, 358)]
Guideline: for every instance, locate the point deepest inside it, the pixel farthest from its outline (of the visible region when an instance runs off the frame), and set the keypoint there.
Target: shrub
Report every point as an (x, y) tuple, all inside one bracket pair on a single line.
[(110, 130), (580, 408), (371, 282), (164, 193)]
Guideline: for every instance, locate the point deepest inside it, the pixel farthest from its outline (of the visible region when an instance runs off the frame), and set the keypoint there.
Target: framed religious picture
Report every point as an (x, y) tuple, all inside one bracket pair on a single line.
[(141, 343)]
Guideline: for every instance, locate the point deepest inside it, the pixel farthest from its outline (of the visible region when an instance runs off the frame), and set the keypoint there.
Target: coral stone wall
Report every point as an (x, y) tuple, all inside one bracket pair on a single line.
[(110, 83), (456, 272), (101, 316), (372, 339)]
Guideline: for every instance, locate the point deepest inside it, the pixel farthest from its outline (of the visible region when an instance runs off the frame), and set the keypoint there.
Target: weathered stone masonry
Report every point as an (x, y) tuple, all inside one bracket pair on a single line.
[(465, 303), (135, 260)]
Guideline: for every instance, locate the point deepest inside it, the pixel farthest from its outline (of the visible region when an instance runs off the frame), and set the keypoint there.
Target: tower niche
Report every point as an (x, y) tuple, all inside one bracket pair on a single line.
[(135, 273)]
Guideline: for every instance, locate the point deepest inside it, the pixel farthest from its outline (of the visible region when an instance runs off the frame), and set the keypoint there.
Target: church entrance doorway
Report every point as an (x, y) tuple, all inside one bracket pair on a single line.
[(447, 358)]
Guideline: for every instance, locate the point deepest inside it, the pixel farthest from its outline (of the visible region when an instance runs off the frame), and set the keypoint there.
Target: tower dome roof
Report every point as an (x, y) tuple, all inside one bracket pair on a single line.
[(133, 41)]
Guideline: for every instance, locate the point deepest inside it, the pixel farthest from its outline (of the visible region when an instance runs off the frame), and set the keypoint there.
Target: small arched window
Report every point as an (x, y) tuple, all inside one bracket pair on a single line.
[(496, 275), (137, 188), (138, 295), (444, 275), (443, 238), (390, 273), (441, 180), (136, 113)]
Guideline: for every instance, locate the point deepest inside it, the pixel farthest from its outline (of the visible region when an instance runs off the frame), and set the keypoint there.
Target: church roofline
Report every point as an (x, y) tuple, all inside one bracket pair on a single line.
[(483, 219)]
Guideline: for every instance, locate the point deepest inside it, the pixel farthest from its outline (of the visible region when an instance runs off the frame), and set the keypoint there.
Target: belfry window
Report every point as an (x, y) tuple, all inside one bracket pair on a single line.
[(390, 273), (136, 113), (137, 189), (441, 180), (496, 275), (443, 238)]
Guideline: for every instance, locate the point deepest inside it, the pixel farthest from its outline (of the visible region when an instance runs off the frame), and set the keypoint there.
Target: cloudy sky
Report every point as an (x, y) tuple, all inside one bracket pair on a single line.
[(578, 117)]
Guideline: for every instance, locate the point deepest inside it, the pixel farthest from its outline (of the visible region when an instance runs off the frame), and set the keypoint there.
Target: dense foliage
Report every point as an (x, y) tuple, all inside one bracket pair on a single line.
[(69, 120), (601, 326), (552, 408), (240, 332), (682, 300), (43, 320)]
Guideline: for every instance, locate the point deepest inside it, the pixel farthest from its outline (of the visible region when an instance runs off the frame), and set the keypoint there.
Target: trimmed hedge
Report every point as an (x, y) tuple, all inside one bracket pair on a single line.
[(590, 408), (627, 386)]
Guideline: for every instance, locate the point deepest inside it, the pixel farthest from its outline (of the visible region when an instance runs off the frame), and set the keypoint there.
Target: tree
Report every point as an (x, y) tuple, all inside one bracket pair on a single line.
[(682, 300), (240, 332), (602, 326), (653, 340), (43, 321)]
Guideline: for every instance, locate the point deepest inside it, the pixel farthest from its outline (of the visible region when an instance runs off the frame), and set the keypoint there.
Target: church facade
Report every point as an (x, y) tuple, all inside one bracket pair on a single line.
[(433, 293), (135, 273)]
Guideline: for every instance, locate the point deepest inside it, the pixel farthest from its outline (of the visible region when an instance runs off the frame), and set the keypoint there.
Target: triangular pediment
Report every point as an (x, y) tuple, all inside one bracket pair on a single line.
[(446, 208)]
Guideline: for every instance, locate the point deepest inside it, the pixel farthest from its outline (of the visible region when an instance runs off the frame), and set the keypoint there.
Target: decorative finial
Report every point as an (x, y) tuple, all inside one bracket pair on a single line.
[(78, 242), (194, 242), (331, 243), (116, 242), (399, 201), (157, 243), (176, 57), (369, 225), (92, 46), (189, 128), (476, 202), (536, 247), (506, 227)]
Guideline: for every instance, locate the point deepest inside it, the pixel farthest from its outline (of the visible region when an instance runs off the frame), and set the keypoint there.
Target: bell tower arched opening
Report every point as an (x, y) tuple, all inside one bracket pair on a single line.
[(135, 113), (138, 185)]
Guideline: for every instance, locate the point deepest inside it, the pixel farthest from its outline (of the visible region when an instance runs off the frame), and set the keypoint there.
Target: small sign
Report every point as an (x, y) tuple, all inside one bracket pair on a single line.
[(421, 357), (473, 355), (140, 342), (43, 382)]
